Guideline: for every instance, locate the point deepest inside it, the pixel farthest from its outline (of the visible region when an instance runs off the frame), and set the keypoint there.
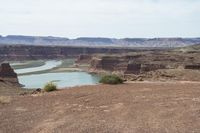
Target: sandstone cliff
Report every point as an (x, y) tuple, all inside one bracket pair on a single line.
[(141, 63), (84, 59), (7, 74), (22, 52)]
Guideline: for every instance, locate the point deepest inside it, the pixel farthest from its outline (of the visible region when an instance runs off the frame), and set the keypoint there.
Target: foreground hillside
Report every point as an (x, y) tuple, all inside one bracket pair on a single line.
[(134, 107)]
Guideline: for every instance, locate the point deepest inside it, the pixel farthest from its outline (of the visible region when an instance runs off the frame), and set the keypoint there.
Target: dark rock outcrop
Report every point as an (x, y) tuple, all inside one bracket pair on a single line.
[(143, 62), (96, 64), (83, 58), (133, 69), (151, 67), (126, 64), (7, 74), (109, 63), (143, 68), (194, 66), (24, 52)]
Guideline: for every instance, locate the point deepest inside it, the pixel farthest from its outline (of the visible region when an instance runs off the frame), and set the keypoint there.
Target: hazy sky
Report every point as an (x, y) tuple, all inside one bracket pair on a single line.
[(101, 18)]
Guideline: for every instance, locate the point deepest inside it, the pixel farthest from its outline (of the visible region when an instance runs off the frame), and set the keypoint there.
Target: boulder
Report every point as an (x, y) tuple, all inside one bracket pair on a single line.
[(7, 74)]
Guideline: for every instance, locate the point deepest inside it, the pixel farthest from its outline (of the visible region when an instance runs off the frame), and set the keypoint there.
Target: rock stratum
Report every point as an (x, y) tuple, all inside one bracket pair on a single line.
[(171, 64), (25, 52), (7, 74)]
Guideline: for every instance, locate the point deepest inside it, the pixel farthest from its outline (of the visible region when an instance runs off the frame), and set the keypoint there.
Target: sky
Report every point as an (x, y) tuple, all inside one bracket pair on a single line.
[(101, 18)]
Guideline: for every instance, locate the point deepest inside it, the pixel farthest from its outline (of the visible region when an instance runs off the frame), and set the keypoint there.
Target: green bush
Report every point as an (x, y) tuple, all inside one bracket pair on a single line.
[(111, 79), (50, 87)]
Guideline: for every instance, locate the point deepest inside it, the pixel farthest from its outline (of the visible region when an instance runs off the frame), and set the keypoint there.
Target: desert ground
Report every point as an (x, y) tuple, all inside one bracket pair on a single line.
[(146, 107)]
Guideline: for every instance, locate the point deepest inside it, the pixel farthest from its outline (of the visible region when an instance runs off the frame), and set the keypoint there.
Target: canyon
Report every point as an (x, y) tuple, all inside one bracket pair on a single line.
[(161, 92), (25, 52), (158, 65), (130, 63)]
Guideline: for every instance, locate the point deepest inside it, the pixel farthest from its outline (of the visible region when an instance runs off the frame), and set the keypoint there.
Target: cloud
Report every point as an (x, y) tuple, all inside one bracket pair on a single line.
[(112, 18)]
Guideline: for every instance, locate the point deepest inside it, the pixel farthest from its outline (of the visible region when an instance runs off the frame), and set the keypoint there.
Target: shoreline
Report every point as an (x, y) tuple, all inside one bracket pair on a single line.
[(10, 89)]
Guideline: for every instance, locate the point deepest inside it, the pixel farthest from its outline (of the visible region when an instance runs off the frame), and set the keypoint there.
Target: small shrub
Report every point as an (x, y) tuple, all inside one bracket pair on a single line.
[(50, 87), (111, 79)]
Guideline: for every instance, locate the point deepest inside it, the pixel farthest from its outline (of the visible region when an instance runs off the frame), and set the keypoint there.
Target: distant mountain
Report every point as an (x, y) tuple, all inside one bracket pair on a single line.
[(92, 41), (32, 40)]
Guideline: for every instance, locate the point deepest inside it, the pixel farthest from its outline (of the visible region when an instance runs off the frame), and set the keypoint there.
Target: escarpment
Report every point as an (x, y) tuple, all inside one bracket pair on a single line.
[(83, 58), (24, 52), (109, 63), (144, 63), (124, 65), (193, 66)]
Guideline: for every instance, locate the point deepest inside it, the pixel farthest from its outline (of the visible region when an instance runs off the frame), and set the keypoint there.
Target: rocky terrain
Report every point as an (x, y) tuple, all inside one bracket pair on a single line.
[(131, 63), (134, 107), (24, 52), (92, 41), (161, 65), (9, 85), (7, 74)]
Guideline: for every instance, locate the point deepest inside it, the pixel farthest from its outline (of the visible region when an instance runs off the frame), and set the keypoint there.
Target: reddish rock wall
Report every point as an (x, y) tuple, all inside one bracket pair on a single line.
[(141, 63), (7, 74), (84, 58), (194, 67)]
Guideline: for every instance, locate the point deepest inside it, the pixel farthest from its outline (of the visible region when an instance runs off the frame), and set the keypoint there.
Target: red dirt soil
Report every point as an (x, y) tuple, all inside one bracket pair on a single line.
[(127, 108)]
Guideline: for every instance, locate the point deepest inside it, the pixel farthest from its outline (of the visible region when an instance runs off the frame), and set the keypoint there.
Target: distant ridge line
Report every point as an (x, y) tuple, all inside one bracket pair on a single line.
[(98, 41)]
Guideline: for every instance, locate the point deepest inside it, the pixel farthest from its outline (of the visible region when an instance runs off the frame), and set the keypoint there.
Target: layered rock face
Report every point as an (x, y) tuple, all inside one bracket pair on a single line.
[(141, 63), (109, 63), (133, 69), (194, 67), (7, 74), (23, 52), (126, 64), (83, 58)]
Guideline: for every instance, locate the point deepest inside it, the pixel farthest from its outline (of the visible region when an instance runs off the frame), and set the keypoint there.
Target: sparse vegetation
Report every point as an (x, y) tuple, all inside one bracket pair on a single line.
[(111, 79), (5, 99), (50, 87)]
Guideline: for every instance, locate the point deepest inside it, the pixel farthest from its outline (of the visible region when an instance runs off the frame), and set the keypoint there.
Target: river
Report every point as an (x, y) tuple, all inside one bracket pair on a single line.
[(61, 79)]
